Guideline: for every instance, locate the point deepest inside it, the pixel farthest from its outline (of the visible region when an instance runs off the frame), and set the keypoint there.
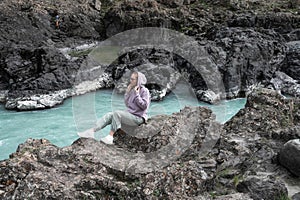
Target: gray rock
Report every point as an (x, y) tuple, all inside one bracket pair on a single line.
[(3, 94), (208, 96), (296, 196), (289, 156), (97, 4), (92, 169), (26, 105), (286, 84), (291, 65), (248, 50), (258, 188), (161, 79), (239, 196), (248, 150)]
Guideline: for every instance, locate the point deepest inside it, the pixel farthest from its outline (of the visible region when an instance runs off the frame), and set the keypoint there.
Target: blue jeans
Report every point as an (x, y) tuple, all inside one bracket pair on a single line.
[(116, 119)]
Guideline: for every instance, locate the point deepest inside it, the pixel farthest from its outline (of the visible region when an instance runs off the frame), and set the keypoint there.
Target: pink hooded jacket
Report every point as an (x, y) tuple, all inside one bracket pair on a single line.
[(138, 104)]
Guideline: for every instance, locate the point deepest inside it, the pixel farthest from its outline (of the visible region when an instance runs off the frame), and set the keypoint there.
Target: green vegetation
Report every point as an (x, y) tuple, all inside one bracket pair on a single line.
[(213, 194), (237, 179), (134, 184), (86, 160), (200, 4), (156, 193), (80, 53), (223, 173), (283, 197), (101, 54), (184, 29)]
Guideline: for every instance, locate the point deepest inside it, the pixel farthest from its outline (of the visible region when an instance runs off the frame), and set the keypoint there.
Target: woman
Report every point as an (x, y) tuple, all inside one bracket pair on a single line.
[(137, 101)]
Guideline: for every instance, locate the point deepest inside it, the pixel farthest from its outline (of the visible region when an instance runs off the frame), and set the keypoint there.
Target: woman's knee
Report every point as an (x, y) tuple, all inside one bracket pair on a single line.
[(108, 115), (117, 113)]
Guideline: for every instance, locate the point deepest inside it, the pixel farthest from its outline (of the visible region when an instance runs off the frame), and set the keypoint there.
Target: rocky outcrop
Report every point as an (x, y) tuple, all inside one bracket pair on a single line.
[(31, 64), (291, 65), (251, 58), (91, 169), (42, 69), (43, 101), (253, 138), (164, 69)]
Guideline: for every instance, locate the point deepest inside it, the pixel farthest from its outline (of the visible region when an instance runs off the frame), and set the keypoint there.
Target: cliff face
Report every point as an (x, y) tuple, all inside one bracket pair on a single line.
[(30, 61), (186, 155), (247, 40)]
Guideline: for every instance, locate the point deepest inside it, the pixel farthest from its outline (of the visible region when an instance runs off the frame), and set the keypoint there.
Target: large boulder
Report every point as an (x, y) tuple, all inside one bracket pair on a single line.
[(289, 156), (285, 84)]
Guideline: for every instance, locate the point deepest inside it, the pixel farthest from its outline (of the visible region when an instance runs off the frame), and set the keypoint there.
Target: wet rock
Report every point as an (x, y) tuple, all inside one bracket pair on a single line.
[(247, 41), (289, 156), (208, 96), (37, 101), (43, 101), (29, 38)]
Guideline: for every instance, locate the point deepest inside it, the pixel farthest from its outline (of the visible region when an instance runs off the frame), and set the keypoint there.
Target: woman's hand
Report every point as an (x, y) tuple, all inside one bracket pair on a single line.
[(129, 87), (137, 89)]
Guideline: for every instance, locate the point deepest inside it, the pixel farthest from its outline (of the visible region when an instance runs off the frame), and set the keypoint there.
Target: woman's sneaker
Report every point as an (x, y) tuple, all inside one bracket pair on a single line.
[(89, 133), (108, 139)]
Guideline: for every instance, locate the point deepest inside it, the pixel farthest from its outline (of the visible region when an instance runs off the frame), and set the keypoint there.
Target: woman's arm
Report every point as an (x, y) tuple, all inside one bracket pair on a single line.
[(142, 98), (127, 95)]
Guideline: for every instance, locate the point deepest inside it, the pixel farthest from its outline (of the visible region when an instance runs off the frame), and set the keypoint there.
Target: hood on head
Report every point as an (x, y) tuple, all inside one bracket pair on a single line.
[(141, 79)]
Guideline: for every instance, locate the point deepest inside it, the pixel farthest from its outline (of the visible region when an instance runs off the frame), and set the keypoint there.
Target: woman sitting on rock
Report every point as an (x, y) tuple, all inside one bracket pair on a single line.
[(137, 101)]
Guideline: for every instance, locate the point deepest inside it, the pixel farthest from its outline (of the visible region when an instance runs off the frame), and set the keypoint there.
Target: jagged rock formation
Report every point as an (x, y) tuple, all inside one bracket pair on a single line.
[(91, 169), (30, 60), (252, 140)]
